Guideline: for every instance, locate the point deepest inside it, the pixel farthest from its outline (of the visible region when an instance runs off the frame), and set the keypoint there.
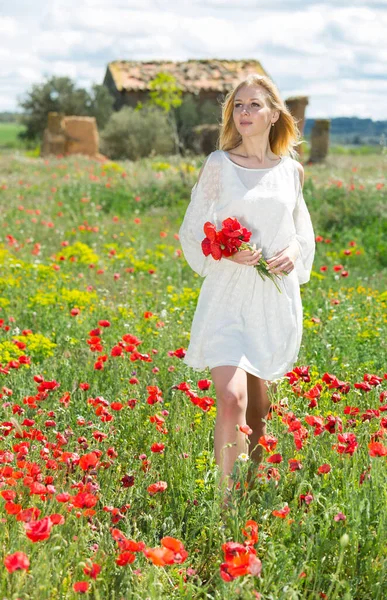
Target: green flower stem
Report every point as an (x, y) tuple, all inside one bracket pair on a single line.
[(262, 266)]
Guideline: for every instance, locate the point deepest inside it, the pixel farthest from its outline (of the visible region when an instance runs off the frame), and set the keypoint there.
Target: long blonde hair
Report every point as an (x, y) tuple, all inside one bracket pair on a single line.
[(283, 137)]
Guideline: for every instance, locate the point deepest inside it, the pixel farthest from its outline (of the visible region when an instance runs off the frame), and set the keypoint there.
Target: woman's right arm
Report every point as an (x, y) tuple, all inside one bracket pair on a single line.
[(204, 196)]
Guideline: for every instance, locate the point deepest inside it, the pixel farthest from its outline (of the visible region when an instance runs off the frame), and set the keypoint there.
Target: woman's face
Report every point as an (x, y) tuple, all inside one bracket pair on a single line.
[(251, 114)]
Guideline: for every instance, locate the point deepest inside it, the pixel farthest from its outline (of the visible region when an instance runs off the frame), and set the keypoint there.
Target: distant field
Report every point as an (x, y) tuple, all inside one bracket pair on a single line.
[(9, 141), (8, 135)]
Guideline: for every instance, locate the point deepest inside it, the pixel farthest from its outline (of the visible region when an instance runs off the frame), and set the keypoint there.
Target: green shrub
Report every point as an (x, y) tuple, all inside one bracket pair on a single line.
[(133, 134), (34, 152)]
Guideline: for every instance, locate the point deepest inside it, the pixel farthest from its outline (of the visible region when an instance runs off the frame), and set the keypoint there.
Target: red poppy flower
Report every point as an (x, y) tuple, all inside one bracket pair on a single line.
[(245, 429), (125, 558), (210, 231), (377, 449), (84, 500), (88, 461), (104, 323), (177, 547), (38, 531), (239, 560), (324, 468), (275, 458), (159, 556), (57, 519), (116, 406), (159, 486), (8, 495), (81, 587), (92, 571), (252, 535), (12, 509), (213, 248), (63, 497), (233, 229), (16, 561), (282, 512), (28, 514), (269, 442), (157, 447)]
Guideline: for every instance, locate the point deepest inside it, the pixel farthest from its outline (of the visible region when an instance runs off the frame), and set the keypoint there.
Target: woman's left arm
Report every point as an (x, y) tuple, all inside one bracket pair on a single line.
[(299, 254), (305, 237)]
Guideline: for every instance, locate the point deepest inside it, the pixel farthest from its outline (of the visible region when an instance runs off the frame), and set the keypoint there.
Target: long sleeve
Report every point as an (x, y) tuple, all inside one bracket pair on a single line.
[(304, 237), (204, 196)]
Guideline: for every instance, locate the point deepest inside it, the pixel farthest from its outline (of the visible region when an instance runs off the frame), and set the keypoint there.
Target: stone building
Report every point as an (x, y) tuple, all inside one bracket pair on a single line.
[(207, 79), (128, 81)]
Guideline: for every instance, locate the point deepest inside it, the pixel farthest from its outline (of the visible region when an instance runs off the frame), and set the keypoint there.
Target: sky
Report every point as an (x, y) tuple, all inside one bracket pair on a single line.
[(334, 52)]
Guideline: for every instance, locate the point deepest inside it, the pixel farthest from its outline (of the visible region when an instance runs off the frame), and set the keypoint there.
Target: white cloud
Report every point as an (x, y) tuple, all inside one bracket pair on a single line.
[(334, 52), (8, 27)]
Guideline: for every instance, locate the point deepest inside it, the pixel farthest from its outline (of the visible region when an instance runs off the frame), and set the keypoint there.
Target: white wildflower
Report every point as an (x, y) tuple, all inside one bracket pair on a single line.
[(243, 457)]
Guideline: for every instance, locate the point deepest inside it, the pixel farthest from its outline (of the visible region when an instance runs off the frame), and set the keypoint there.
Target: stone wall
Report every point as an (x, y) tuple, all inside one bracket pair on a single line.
[(70, 135)]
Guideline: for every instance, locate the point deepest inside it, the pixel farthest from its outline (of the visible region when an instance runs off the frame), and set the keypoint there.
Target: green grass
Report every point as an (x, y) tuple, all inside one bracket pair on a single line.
[(102, 239), (354, 150), (8, 135)]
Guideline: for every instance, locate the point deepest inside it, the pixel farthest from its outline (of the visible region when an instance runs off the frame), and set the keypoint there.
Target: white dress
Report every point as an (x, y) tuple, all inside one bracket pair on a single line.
[(241, 319)]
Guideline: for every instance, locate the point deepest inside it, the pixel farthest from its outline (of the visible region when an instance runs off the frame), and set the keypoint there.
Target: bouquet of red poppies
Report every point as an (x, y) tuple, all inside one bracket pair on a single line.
[(232, 238)]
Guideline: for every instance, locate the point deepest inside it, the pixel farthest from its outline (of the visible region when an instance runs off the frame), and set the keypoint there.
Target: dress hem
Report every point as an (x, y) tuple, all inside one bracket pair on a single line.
[(232, 363)]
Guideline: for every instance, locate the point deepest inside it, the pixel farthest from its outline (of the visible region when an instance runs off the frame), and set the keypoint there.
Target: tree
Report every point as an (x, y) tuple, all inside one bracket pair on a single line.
[(166, 94), (59, 94)]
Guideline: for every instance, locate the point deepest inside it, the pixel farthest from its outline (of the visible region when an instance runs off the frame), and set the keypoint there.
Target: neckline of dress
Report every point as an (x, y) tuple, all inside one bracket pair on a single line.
[(248, 168)]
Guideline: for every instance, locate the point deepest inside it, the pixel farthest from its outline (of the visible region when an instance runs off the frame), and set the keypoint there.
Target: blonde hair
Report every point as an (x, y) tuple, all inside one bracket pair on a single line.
[(283, 137)]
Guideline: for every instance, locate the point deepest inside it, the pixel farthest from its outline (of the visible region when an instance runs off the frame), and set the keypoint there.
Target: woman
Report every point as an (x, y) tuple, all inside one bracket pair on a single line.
[(244, 329)]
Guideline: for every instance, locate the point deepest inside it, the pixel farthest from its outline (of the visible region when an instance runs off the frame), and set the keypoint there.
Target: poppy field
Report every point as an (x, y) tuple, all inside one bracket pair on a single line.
[(108, 482)]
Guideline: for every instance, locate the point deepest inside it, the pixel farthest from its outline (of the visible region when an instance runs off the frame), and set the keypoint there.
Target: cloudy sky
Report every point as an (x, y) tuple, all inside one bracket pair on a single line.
[(334, 51)]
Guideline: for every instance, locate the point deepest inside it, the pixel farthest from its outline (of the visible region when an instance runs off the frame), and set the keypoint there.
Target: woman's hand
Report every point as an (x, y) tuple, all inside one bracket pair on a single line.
[(284, 260), (246, 257)]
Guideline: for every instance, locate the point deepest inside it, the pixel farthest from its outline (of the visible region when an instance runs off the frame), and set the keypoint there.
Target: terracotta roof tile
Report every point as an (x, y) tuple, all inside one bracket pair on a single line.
[(192, 75)]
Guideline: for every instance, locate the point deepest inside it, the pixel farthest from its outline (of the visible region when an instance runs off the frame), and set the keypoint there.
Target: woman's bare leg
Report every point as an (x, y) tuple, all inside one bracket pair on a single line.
[(231, 402), (258, 408)]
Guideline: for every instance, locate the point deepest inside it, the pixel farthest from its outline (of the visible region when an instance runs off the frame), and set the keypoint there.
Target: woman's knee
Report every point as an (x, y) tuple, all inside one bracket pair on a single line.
[(231, 401), (231, 388), (231, 397)]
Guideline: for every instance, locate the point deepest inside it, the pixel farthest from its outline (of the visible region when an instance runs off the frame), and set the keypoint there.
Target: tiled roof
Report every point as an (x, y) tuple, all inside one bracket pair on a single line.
[(192, 75)]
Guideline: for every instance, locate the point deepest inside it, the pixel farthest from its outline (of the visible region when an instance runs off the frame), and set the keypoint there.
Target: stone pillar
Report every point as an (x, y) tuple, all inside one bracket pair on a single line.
[(319, 140), (81, 135), (297, 105), (54, 139), (54, 122)]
